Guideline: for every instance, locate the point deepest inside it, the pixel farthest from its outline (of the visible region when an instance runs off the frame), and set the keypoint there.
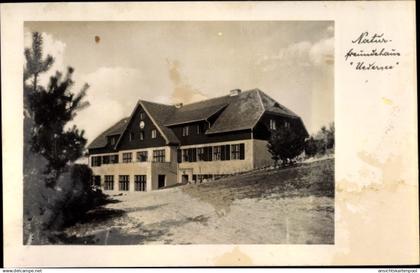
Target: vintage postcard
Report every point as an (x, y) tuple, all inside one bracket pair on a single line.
[(209, 133)]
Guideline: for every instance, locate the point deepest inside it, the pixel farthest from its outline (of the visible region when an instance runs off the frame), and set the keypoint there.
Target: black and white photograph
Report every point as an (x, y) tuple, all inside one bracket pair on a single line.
[(209, 134), (178, 132)]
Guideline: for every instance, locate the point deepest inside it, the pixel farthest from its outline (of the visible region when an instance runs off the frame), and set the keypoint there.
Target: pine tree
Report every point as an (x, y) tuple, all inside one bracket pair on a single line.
[(48, 145), (35, 65), (50, 109)]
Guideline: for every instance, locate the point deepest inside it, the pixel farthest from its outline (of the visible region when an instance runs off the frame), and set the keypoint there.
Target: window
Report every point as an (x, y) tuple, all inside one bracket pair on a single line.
[(272, 124), (140, 183), (131, 136), (141, 116), (142, 156), (225, 152), (127, 157), (185, 131), (189, 155), (154, 133), (113, 159), (109, 183), (208, 151), (200, 154), (235, 151), (124, 183), (287, 124), (217, 153), (185, 155), (199, 129), (238, 151), (105, 159), (141, 135), (96, 161), (112, 140), (204, 177), (159, 155)]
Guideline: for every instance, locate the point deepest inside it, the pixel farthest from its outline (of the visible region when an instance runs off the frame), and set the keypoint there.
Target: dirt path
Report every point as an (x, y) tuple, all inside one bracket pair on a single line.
[(172, 216)]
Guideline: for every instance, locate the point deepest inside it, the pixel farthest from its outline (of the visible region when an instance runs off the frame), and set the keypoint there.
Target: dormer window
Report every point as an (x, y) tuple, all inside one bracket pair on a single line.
[(272, 124), (112, 140), (185, 131)]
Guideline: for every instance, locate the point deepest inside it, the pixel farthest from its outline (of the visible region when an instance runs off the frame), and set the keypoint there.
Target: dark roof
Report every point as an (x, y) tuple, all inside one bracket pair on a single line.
[(273, 106), (159, 113), (242, 113), (245, 111), (239, 112), (198, 111), (116, 129)]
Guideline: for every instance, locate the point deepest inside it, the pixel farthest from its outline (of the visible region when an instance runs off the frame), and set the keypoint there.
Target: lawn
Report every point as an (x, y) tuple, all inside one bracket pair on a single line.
[(294, 205)]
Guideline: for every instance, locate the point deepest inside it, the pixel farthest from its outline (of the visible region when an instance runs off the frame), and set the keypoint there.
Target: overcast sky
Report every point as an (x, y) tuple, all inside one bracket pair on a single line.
[(172, 62)]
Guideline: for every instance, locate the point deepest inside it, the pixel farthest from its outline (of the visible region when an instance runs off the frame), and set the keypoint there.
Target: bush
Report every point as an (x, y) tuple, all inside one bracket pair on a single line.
[(61, 206), (311, 147), (286, 144)]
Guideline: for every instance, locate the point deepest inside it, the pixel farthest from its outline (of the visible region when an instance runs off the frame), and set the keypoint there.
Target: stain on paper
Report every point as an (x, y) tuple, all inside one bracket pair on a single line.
[(234, 257)]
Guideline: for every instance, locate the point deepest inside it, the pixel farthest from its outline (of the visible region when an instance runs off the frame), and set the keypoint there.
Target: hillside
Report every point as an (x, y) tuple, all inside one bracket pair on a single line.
[(311, 179), (279, 206)]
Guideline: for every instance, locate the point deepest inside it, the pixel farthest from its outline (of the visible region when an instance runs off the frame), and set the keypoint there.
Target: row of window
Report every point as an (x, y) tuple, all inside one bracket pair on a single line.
[(186, 130), (208, 153), (123, 182), (141, 135), (142, 156), (206, 177), (212, 153), (273, 124), (199, 129)]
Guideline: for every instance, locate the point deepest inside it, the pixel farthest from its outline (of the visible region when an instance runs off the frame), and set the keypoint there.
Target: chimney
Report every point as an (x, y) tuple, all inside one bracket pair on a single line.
[(235, 92), (178, 105)]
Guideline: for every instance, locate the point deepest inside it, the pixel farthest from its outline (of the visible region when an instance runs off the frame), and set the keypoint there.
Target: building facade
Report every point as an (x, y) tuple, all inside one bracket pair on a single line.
[(162, 145)]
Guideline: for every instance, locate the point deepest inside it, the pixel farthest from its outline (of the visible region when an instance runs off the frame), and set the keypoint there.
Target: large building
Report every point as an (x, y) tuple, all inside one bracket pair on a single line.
[(160, 145)]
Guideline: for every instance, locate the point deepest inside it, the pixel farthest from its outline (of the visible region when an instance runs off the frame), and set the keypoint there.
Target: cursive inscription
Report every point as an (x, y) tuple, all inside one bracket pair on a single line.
[(365, 39), (372, 52)]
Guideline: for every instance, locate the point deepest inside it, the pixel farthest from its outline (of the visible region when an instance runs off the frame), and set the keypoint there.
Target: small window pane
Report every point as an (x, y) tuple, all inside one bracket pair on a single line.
[(127, 157)]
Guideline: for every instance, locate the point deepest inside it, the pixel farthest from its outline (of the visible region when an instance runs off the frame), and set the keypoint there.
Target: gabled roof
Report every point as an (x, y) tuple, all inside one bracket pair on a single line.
[(197, 111), (246, 110), (273, 106), (239, 112), (116, 129), (159, 113)]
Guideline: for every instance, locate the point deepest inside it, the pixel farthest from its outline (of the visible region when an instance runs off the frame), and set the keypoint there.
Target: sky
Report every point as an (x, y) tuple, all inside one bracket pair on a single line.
[(188, 61)]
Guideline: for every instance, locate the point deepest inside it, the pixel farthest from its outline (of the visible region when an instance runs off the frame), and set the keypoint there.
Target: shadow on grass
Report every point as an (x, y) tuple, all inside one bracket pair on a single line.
[(149, 208), (139, 234), (101, 215), (111, 236)]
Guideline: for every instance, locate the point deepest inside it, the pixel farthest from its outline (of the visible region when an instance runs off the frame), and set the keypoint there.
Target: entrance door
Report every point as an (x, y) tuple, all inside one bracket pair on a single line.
[(161, 181), (185, 178)]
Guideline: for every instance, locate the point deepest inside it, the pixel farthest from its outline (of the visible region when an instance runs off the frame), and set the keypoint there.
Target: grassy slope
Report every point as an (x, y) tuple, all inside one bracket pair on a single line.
[(312, 179)]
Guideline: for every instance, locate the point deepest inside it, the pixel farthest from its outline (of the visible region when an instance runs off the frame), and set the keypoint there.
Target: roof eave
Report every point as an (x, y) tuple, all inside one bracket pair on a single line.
[(202, 119), (227, 131)]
